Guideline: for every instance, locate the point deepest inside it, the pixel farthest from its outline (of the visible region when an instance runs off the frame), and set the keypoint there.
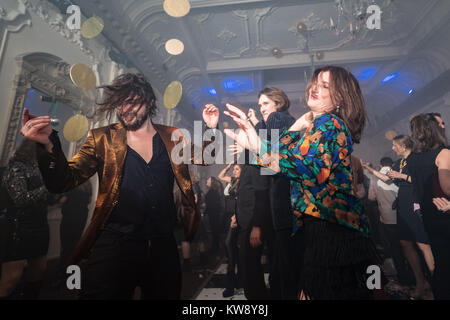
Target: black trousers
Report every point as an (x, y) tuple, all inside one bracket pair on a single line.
[(284, 276), (252, 272), (233, 258), (118, 264), (70, 230)]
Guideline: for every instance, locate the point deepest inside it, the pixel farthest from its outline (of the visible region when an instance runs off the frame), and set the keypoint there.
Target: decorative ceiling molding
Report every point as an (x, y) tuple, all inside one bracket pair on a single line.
[(312, 23), (215, 41), (303, 59), (49, 14), (187, 72), (201, 18), (137, 9), (260, 15), (226, 35), (11, 21), (12, 15)]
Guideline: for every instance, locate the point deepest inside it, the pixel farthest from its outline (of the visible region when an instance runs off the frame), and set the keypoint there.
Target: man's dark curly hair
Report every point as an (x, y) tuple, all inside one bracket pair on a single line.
[(128, 87)]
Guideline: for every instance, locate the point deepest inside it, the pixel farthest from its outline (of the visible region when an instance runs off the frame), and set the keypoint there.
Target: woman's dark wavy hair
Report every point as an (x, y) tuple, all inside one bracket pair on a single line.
[(128, 87), (345, 93), (278, 96), (25, 152), (427, 133)]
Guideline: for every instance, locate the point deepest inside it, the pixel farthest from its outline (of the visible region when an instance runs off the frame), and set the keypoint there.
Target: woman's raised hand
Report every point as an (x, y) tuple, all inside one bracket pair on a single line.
[(252, 116), (247, 137), (211, 115)]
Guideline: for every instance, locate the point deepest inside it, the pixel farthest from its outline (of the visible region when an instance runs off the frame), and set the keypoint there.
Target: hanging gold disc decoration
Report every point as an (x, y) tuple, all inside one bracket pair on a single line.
[(172, 95), (83, 76), (76, 128), (92, 27), (390, 135)]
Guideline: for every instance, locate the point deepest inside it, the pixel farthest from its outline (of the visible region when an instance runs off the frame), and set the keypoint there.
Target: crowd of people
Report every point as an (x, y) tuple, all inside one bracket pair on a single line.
[(414, 204), (309, 216)]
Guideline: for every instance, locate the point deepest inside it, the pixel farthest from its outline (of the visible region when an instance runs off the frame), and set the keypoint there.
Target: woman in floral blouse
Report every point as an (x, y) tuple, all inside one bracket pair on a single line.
[(332, 233)]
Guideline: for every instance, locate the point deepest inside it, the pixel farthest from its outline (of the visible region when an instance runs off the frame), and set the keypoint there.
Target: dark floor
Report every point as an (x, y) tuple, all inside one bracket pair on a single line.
[(193, 280), (199, 275)]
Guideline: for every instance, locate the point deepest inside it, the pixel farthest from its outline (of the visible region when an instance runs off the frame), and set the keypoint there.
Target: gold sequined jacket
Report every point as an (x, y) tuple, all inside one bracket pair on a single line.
[(104, 152)]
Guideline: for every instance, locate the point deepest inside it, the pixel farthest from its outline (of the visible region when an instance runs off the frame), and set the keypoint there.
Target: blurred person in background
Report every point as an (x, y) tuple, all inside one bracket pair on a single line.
[(214, 211), (430, 174), (28, 232), (385, 194), (231, 247), (411, 230)]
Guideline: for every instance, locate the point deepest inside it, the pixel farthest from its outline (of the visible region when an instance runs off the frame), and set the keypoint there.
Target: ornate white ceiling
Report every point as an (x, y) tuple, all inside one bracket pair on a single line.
[(227, 40)]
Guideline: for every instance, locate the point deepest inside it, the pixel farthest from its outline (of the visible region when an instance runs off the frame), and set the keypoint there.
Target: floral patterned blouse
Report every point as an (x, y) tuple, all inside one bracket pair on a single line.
[(318, 165)]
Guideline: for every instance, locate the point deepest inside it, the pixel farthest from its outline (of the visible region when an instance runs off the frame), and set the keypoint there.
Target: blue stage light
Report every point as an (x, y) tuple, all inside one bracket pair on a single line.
[(365, 74), (238, 84), (211, 91), (390, 77)]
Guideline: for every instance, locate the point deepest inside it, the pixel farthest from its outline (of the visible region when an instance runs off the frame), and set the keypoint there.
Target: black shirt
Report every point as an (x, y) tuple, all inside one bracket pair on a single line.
[(145, 208)]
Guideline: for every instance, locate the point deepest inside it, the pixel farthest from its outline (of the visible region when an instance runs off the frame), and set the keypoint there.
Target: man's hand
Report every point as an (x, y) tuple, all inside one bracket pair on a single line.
[(255, 237), (37, 129), (211, 115)]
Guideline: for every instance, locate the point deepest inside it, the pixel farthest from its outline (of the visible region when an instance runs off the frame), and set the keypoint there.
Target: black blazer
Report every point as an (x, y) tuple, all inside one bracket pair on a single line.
[(280, 187), (253, 204)]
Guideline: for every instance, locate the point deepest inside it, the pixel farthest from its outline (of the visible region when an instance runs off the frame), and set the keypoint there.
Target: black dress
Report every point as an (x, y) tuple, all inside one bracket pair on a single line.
[(213, 209), (410, 225), (28, 230), (424, 174)]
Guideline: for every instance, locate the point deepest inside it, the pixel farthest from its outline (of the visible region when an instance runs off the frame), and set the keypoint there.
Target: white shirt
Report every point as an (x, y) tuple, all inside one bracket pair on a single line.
[(384, 194)]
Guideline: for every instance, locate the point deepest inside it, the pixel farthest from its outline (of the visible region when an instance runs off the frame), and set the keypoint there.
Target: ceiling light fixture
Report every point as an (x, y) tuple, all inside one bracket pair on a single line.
[(174, 47), (389, 77), (177, 8), (352, 16)]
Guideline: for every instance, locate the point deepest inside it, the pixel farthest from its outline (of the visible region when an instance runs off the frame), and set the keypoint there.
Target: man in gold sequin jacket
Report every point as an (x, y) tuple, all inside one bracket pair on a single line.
[(129, 241)]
